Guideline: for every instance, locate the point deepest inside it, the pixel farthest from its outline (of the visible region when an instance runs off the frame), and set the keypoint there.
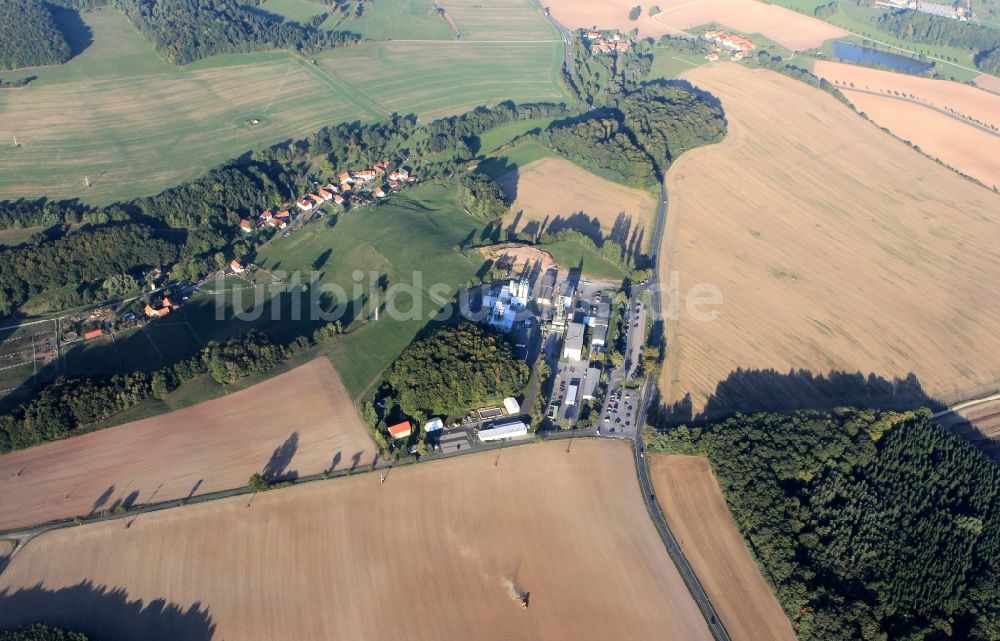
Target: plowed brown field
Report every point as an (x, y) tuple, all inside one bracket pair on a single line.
[(554, 194), (300, 421), (433, 553), (835, 247), (786, 27), (697, 513)]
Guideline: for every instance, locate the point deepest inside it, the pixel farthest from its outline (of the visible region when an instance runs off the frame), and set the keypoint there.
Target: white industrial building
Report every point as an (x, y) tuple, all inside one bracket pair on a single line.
[(573, 345), (505, 305), (571, 394), (515, 429), (433, 425), (511, 405)]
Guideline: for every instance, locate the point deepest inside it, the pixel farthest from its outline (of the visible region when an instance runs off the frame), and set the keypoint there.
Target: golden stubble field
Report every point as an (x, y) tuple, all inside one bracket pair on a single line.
[(301, 421), (835, 247), (432, 553), (553, 194), (696, 511), (786, 27), (951, 121)]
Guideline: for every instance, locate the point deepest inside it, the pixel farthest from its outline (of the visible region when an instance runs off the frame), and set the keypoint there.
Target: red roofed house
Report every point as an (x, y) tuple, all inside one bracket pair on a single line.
[(94, 333), (246, 226), (393, 184), (379, 193), (326, 195), (152, 312), (379, 167), (304, 204), (330, 187), (277, 222), (400, 430), (236, 267), (364, 174), (282, 214), (166, 302), (337, 198), (345, 177)]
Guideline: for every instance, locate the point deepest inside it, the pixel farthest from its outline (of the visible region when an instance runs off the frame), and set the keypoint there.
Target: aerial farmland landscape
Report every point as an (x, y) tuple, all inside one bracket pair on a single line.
[(499, 319)]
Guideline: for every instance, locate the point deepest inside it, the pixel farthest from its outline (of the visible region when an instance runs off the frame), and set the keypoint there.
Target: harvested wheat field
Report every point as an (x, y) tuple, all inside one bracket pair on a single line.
[(835, 247), (696, 510), (989, 83), (962, 99), (972, 150), (301, 422), (552, 194), (437, 552), (786, 27)]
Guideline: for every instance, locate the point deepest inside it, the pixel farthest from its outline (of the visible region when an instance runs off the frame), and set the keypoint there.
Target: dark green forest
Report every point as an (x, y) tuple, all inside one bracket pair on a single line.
[(869, 525), (453, 369), (29, 36), (40, 632)]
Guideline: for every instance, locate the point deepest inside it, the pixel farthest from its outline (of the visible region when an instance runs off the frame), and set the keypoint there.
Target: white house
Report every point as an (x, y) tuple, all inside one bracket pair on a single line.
[(515, 429)]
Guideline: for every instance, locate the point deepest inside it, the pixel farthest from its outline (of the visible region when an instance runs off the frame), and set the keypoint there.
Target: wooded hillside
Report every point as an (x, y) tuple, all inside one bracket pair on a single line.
[(869, 525), (29, 36)]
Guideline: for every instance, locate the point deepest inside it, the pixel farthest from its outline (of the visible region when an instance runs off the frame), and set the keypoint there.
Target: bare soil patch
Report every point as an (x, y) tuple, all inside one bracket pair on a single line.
[(302, 421), (519, 258), (433, 553), (697, 513), (551, 194), (835, 247), (786, 27)]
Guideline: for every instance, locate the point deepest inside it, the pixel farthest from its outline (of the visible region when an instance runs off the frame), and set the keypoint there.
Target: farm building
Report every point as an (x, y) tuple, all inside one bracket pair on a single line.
[(511, 405), (400, 430), (94, 333), (236, 267), (515, 429), (245, 226), (433, 425), (573, 345)]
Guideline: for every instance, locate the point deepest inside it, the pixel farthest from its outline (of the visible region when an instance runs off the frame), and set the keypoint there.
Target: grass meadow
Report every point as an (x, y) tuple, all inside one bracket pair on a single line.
[(134, 125)]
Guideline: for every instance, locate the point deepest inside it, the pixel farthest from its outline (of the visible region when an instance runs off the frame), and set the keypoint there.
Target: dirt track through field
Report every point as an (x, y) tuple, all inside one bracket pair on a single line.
[(554, 194), (435, 552), (786, 27), (301, 421), (698, 516), (835, 247)]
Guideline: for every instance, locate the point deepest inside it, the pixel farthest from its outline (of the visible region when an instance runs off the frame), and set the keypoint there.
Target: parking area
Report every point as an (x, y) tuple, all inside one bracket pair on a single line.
[(620, 413)]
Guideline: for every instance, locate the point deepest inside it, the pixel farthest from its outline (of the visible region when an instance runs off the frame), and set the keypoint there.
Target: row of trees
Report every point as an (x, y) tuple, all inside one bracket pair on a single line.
[(68, 404), (869, 525), (29, 36)]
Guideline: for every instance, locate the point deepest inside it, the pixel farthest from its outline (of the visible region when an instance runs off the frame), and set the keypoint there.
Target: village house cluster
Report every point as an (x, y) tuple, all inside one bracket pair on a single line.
[(606, 43), (955, 11), (355, 188), (739, 46)]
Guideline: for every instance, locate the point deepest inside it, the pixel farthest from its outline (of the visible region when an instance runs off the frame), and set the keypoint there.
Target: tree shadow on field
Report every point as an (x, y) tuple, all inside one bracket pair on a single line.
[(745, 391), (105, 613), (77, 34), (276, 468)]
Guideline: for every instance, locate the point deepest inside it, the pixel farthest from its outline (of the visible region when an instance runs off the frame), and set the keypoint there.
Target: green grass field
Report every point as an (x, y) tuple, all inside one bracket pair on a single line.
[(491, 140), (135, 125), (572, 254), (517, 156), (294, 10), (669, 62), (400, 20), (412, 240), (500, 20)]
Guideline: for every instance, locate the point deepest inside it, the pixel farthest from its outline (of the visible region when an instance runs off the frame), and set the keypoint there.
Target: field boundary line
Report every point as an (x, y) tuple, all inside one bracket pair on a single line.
[(919, 103)]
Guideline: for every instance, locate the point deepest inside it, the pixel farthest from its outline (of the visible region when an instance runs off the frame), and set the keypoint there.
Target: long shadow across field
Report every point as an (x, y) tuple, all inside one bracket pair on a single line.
[(772, 391), (105, 613)]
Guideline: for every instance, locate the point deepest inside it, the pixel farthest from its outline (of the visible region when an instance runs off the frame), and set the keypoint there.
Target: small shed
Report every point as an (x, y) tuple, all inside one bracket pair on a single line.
[(511, 405), (400, 430), (433, 425)]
